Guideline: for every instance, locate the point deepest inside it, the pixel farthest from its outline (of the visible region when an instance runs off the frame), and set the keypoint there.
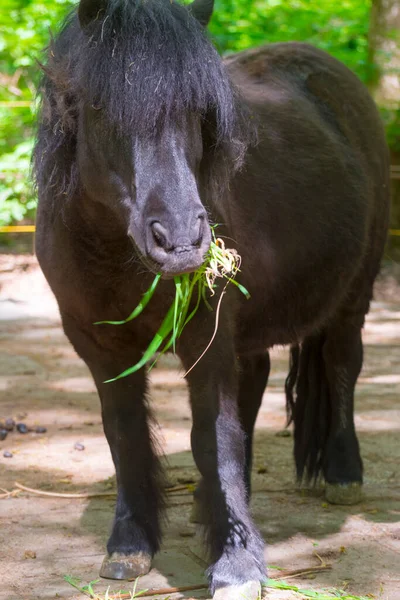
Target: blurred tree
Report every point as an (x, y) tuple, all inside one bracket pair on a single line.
[(384, 52), (384, 81)]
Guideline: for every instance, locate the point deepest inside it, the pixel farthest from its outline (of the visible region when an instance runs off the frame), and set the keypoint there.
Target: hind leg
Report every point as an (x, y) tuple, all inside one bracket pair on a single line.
[(342, 464), (323, 374), (136, 534), (253, 379)]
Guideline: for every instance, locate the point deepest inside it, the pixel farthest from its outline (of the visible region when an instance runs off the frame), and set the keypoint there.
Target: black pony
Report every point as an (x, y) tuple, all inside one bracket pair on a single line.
[(145, 138)]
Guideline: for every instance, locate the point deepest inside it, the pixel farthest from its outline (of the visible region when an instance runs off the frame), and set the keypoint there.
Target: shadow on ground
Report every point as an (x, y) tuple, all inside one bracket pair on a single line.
[(42, 382)]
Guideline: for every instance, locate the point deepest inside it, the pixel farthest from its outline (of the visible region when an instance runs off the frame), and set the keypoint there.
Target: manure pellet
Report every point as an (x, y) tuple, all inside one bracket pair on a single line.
[(9, 424), (40, 430), (22, 428)]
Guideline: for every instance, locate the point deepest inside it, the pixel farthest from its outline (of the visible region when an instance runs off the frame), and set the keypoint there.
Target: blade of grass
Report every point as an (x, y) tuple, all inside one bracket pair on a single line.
[(147, 296), (241, 287), (194, 311), (85, 589), (177, 302), (187, 288), (164, 330), (318, 595)]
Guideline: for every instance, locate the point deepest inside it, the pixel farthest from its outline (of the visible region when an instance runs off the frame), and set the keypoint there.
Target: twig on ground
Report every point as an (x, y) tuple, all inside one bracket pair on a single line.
[(323, 563), (62, 495), (122, 595), (8, 494), (192, 588), (275, 491), (177, 488), (162, 591), (300, 572), (200, 561)]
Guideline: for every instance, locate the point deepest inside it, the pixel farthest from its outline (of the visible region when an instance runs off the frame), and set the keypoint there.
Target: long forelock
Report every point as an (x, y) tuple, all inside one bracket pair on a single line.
[(145, 63), (153, 63)]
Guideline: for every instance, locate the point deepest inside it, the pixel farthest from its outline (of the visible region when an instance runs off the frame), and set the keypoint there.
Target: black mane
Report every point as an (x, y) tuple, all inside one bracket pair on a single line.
[(144, 62)]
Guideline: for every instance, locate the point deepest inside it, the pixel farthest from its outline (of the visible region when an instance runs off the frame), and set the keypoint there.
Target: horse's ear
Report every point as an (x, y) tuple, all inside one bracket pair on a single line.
[(90, 10), (202, 10)]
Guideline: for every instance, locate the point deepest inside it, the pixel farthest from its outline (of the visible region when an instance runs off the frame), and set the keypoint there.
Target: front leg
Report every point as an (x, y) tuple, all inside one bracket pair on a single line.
[(253, 379), (136, 533), (218, 445)]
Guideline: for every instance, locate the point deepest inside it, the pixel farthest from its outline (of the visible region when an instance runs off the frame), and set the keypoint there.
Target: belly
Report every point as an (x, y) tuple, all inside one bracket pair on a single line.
[(289, 310)]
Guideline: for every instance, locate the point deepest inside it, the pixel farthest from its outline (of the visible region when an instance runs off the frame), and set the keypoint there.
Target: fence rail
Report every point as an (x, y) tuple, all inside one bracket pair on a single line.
[(394, 174), (32, 229), (18, 229)]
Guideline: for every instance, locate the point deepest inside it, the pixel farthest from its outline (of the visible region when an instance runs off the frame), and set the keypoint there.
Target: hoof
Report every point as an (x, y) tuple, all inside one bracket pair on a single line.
[(125, 566), (251, 590), (195, 515), (344, 493)]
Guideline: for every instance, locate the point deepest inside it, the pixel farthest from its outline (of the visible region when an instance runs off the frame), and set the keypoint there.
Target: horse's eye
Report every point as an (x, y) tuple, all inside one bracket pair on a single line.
[(97, 107)]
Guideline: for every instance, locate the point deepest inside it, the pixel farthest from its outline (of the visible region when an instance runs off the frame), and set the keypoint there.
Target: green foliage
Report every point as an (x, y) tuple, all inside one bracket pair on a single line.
[(391, 119), (24, 32), (340, 28), (16, 198)]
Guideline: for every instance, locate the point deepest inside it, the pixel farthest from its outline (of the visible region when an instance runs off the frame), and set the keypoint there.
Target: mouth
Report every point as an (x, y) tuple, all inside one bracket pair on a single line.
[(156, 267), (177, 273)]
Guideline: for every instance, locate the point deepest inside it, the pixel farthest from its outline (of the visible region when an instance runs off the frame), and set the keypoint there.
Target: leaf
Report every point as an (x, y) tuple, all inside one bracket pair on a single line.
[(164, 330), (140, 307), (178, 298), (241, 287)]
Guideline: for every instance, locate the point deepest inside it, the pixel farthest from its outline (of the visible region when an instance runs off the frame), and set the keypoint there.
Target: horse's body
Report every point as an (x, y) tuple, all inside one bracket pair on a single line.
[(304, 100), (307, 211)]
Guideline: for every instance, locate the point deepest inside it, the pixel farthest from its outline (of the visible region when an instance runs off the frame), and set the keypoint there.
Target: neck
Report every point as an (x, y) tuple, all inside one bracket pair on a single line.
[(97, 233), (95, 219)]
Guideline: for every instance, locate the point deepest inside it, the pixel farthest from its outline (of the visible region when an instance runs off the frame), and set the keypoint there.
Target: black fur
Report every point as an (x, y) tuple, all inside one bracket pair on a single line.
[(144, 64), (202, 10), (146, 136), (311, 411)]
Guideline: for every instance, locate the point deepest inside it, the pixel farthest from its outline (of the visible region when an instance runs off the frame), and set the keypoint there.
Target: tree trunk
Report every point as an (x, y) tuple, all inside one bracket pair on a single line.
[(384, 52), (384, 84)]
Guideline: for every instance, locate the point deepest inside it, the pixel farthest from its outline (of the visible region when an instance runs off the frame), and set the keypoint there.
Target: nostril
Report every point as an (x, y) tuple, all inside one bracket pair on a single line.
[(159, 234), (200, 231)]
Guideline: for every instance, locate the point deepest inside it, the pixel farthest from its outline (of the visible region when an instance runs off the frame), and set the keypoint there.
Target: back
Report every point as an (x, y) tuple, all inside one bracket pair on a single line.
[(314, 191)]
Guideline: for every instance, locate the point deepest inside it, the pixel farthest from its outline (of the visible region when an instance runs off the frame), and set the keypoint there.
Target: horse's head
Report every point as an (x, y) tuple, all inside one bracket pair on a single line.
[(139, 114), (150, 187), (147, 174)]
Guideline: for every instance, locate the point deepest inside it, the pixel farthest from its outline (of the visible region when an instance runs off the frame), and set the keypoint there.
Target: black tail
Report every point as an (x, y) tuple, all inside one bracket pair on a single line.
[(308, 406)]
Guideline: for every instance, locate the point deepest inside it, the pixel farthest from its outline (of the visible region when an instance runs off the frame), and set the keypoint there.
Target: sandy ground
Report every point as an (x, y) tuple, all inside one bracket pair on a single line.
[(42, 382)]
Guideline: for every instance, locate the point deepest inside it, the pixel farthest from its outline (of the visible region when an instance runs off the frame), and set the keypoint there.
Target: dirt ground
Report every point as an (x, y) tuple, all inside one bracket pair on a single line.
[(42, 382)]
